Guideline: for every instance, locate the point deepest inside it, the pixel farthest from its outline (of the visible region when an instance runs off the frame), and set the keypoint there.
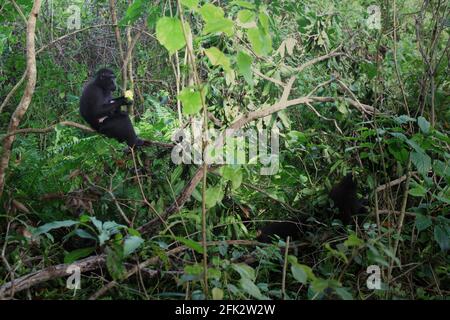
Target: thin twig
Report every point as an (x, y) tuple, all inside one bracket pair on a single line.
[(283, 281), (402, 217)]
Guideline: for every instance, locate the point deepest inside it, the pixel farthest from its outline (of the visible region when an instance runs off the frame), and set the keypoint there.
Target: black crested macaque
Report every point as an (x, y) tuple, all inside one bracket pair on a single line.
[(282, 229), (345, 198), (103, 113)]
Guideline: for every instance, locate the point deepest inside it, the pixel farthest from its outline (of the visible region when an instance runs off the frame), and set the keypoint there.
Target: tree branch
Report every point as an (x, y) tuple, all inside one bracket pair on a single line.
[(79, 126), (49, 273), (93, 263), (27, 95), (46, 130)]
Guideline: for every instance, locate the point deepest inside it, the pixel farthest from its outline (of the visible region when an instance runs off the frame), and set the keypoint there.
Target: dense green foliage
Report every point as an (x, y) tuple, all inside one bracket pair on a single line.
[(71, 194)]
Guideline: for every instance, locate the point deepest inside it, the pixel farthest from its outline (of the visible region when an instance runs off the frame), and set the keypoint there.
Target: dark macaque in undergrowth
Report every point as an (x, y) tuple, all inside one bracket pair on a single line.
[(345, 198), (282, 229), (102, 111)]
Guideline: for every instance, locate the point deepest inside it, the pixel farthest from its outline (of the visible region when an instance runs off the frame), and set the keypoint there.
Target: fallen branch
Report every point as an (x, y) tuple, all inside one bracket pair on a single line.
[(93, 263), (50, 273), (155, 259)]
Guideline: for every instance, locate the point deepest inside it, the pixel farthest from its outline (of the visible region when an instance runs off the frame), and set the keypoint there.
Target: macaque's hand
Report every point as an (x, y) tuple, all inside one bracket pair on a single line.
[(122, 101), (129, 96)]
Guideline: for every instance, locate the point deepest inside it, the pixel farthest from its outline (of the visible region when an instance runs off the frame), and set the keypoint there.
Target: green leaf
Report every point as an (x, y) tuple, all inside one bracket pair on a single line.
[(192, 273), (413, 144), (131, 244), (306, 269), (77, 254), (84, 234), (210, 12), (264, 21), (53, 225), (441, 169), (319, 285), (442, 236), (217, 293), (112, 226), (106, 229), (217, 57), (169, 33), (213, 196), (246, 19), (370, 69), (176, 174), (404, 119), (251, 288), (245, 271), (214, 274), (421, 161), (191, 100), (134, 232), (244, 64), (399, 136), (298, 137), (97, 223), (215, 21), (401, 154), (237, 180), (424, 125), (353, 241), (234, 175), (344, 294), (417, 191), (261, 42), (85, 218), (154, 14), (243, 4), (114, 259), (194, 245), (422, 222), (299, 273), (342, 107), (134, 11), (220, 25), (246, 16), (303, 23), (191, 4)]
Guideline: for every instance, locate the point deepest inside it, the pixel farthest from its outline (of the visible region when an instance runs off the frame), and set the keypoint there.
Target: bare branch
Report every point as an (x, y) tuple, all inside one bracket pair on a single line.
[(13, 90), (19, 11), (49, 273), (46, 130), (277, 82), (112, 7), (391, 183), (318, 59), (155, 259)]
